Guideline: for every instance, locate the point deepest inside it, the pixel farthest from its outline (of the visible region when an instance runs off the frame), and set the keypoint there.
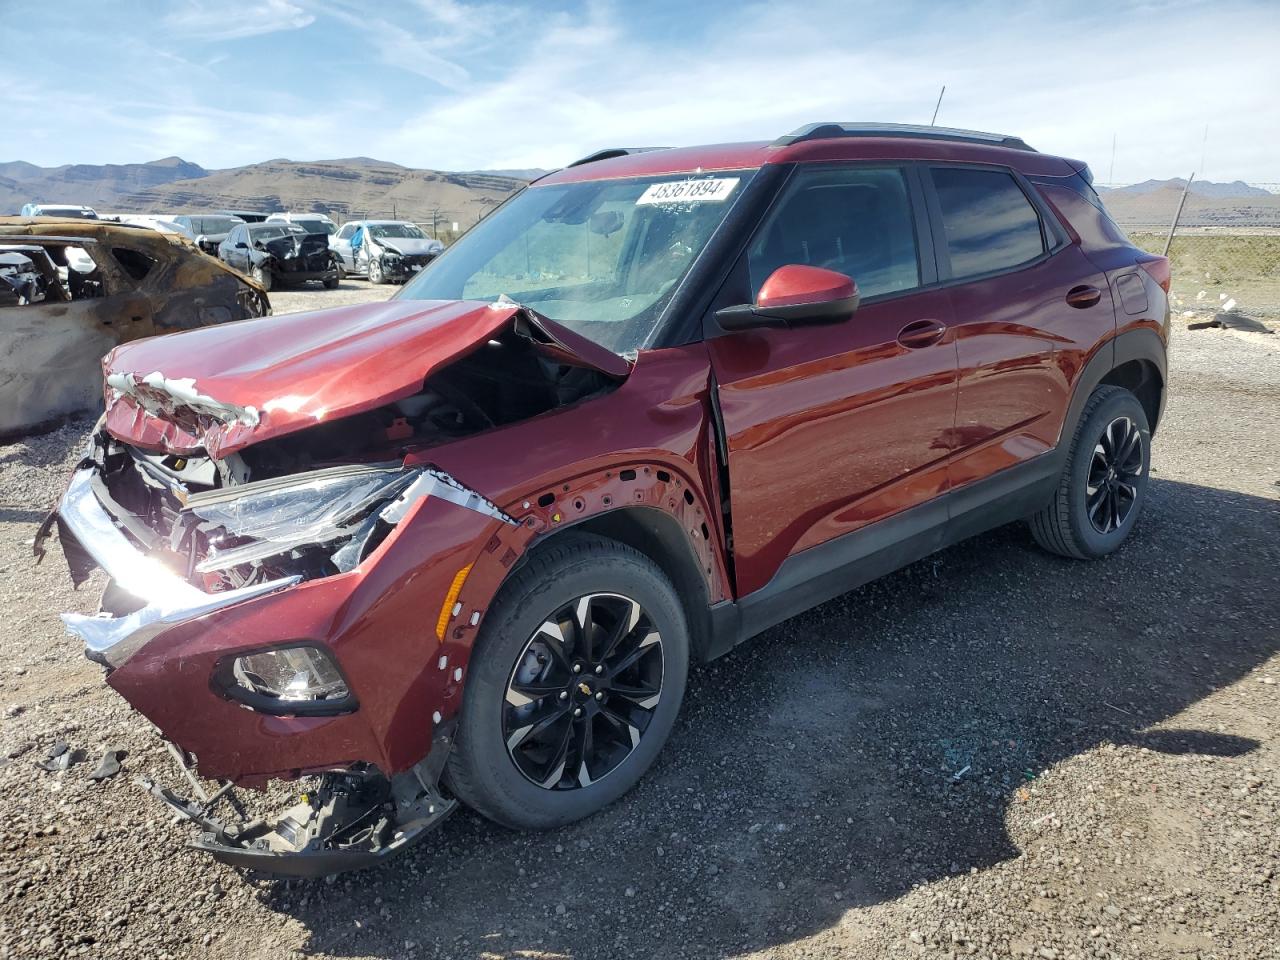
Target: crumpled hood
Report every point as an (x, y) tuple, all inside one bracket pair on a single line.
[(223, 388), (296, 244), (410, 247)]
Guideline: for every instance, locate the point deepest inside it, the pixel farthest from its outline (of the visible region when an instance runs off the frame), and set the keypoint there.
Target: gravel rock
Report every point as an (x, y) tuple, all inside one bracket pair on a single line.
[(1121, 797)]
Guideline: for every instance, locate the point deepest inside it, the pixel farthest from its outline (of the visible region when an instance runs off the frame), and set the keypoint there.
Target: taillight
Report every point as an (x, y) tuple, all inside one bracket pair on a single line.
[(1158, 269)]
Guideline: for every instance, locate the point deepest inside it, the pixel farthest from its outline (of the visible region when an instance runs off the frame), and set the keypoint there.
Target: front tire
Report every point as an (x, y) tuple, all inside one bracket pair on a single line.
[(574, 685), (262, 276), (1104, 483), (375, 271)]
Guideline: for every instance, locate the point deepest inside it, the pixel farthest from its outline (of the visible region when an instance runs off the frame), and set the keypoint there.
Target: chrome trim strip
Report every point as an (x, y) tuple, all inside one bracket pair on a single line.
[(169, 598)]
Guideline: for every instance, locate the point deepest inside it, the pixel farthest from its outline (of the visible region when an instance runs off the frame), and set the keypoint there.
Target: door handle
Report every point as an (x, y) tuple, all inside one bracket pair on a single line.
[(921, 333), (1083, 296)]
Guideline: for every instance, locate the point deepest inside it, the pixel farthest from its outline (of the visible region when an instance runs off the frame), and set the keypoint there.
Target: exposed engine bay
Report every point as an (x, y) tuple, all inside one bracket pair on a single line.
[(316, 502)]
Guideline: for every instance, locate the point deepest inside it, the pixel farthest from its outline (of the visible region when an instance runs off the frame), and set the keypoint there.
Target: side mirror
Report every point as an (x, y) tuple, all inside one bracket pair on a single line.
[(794, 295)]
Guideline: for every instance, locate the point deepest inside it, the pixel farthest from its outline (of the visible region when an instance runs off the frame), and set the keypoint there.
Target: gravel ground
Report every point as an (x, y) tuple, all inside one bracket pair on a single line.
[(994, 752)]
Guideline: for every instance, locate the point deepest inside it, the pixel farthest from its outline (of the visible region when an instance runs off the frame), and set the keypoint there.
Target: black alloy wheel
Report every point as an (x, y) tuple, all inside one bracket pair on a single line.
[(1114, 471), (583, 691), (1103, 485)]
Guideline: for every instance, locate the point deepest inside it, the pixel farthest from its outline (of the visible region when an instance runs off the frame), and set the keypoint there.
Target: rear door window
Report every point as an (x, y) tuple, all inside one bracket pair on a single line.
[(855, 221), (988, 223)]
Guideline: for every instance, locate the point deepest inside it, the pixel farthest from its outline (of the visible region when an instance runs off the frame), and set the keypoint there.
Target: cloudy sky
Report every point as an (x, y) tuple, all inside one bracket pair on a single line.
[(452, 84)]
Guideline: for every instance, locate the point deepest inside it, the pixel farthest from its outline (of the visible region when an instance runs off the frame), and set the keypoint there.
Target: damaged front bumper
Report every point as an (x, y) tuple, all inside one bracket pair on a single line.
[(345, 822), (168, 645)]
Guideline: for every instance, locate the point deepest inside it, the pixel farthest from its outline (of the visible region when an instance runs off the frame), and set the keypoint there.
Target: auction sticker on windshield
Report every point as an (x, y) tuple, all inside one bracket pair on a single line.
[(714, 190)]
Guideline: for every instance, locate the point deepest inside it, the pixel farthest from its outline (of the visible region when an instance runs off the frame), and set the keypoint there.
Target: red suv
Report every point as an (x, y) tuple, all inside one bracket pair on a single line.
[(463, 545)]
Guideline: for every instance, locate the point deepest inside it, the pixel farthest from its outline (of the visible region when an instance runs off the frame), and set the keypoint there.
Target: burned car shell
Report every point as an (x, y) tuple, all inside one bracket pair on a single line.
[(144, 283)]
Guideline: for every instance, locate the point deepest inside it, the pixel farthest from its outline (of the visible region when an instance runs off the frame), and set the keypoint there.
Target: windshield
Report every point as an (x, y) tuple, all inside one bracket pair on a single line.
[(602, 257), (395, 231)]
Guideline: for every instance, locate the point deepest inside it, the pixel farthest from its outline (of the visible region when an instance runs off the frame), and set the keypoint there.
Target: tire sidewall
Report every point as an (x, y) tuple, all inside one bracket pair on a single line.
[(513, 620), (1121, 403)]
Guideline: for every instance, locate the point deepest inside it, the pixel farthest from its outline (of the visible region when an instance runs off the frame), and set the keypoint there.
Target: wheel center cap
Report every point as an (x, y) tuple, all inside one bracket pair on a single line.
[(584, 688)]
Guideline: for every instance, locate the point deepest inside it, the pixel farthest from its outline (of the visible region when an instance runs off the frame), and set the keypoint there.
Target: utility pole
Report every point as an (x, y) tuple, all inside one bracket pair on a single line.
[(937, 105)]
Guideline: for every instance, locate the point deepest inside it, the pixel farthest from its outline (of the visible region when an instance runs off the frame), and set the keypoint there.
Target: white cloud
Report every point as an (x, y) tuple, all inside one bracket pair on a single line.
[(1063, 81), (211, 20), (454, 85)]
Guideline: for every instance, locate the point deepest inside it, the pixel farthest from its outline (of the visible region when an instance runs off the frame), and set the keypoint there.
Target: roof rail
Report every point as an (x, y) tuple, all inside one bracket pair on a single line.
[(828, 131), (610, 152)]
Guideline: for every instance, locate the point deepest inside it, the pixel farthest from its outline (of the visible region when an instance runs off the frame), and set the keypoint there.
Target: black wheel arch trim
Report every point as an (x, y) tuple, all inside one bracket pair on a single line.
[(659, 536)]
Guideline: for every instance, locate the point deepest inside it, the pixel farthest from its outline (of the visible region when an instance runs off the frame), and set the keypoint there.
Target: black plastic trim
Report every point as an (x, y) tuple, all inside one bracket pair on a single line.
[(900, 131)]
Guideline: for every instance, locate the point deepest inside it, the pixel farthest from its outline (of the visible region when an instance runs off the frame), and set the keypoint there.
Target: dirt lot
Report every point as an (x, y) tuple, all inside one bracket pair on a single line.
[(994, 752)]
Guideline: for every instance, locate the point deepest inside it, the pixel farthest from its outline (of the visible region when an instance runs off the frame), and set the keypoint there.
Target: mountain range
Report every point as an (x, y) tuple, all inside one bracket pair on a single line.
[(353, 187), (345, 188), (1236, 189)]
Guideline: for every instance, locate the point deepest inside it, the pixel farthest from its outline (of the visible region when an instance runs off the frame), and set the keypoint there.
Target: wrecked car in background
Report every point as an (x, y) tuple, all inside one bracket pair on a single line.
[(462, 545), (209, 229), (58, 319), (387, 250), (277, 253)]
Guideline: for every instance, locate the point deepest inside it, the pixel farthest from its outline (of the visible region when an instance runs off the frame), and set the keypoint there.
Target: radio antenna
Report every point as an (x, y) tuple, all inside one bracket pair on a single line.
[(937, 105)]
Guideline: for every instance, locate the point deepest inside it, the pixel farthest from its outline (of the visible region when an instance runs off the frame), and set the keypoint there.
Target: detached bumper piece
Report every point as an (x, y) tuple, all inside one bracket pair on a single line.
[(348, 822)]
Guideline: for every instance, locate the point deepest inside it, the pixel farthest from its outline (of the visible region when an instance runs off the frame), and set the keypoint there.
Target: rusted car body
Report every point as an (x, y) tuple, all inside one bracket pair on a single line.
[(143, 283)]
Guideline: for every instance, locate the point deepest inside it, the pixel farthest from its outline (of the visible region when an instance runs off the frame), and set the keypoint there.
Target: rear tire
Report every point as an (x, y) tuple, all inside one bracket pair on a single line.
[(574, 740), (1104, 482)]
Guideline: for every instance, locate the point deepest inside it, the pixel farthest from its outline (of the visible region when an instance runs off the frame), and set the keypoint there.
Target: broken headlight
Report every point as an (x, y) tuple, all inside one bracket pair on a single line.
[(299, 679), (275, 517)]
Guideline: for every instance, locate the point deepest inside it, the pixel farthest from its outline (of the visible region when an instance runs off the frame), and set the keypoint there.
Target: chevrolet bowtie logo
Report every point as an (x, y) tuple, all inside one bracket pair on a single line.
[(584, 689)]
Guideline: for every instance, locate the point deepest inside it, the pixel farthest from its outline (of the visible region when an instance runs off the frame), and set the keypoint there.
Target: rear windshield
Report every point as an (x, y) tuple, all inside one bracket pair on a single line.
[(214, 224), (80, 213)]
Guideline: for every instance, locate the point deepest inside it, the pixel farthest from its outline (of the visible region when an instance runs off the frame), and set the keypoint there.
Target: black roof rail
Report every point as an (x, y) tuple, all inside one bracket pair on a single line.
[(610, 152), (829, 131)]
